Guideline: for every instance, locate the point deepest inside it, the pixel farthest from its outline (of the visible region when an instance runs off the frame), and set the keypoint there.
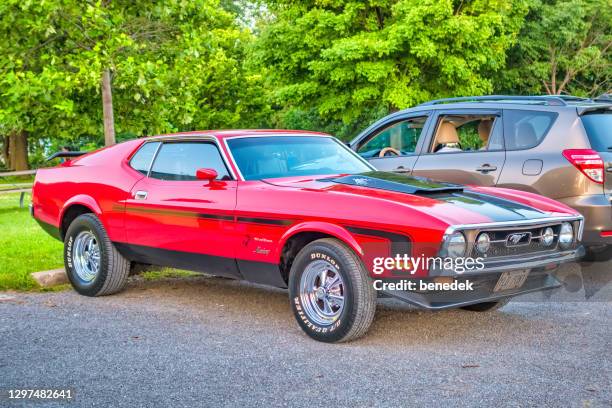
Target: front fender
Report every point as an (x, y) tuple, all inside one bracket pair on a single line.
[(334, 230)]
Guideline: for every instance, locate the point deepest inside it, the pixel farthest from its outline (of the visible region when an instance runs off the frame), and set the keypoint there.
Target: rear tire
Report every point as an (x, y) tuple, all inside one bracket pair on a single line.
[(331, 293), (486, 306), (93, 264)]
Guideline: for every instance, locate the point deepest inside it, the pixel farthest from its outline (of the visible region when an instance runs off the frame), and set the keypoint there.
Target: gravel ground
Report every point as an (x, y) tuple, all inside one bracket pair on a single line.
[(213, 342)]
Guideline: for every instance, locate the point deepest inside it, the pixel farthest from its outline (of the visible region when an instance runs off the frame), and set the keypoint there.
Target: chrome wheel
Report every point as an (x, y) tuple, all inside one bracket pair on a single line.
[(322, 292), (86, 256)]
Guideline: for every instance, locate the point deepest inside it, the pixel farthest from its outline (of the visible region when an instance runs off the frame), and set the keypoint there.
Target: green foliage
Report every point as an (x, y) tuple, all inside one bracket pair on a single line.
[(564, 47), (176, 65), (344, 58), (331, 65)]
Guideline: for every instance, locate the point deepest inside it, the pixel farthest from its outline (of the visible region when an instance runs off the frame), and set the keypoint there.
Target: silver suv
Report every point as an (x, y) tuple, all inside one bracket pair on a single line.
[(556, 146)]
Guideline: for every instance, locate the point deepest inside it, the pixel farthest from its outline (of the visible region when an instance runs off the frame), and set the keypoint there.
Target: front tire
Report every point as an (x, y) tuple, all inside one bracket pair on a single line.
[(331, 294), (93, 264)]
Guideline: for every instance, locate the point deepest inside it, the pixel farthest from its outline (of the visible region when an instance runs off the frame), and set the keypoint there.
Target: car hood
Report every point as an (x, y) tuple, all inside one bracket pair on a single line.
[(451, 202)]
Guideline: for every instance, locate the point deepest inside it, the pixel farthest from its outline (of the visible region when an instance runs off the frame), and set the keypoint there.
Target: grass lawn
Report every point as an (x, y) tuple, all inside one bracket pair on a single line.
[(168, 273), (16, 179), (24, 246)]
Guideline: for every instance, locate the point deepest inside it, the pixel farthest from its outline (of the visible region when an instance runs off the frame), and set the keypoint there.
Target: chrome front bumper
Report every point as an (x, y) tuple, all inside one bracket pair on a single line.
[(528, 261), (483, 292)]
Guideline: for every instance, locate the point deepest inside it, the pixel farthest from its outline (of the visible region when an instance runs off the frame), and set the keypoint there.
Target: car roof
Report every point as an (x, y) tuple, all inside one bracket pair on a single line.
[(556, 103), (228, 134), (539, 102)]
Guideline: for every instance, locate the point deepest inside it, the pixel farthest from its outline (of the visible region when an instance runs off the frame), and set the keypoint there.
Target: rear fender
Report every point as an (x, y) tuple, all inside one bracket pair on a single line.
[(83, 200)]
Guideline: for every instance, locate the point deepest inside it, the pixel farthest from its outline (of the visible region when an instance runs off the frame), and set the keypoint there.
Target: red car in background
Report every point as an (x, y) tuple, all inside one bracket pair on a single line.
[(298, 210)]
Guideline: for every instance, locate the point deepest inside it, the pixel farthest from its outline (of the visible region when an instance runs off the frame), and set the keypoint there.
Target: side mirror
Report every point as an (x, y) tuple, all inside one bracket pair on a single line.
[(206, 174)]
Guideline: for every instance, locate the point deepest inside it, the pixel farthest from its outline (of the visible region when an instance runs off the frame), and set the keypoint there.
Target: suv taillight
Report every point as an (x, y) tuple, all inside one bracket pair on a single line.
[(588, 161)]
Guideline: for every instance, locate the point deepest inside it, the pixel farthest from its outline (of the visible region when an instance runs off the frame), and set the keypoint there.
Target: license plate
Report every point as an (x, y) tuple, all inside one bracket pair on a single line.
[(511, 280)]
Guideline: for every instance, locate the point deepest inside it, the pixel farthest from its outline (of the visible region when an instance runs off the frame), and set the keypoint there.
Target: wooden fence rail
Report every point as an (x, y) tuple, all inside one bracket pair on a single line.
[(17, 173), (21, 188)]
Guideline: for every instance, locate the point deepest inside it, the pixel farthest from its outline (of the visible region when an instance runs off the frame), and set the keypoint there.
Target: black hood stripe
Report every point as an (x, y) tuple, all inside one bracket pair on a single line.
[(504, 202), (399, 183), (494, 208)]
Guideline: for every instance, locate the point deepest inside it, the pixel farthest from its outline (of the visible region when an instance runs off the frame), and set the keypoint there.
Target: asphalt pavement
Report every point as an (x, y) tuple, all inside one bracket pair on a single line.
[(208, 341)]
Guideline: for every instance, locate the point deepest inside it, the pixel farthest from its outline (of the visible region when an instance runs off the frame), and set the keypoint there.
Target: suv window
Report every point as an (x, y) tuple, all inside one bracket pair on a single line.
[(526, 129), (401, 136), (467, 133), (142, 159), (180, 160), (598, 127)]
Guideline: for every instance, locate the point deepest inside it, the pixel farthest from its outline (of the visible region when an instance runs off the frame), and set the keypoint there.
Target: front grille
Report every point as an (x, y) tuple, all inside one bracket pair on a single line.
[(530, 242)]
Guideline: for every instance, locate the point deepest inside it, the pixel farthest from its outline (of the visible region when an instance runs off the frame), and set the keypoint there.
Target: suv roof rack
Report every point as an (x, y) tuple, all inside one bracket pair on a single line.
[(547, 100), (606, 97), (570, 98)]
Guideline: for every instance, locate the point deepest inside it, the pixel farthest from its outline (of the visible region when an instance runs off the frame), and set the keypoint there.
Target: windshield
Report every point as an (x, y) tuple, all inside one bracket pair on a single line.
[(287, 156), (599, 129)]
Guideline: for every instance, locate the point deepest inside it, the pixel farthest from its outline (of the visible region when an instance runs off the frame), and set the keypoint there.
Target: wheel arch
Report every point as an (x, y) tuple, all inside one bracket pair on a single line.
[(76, 206), (302, 234)]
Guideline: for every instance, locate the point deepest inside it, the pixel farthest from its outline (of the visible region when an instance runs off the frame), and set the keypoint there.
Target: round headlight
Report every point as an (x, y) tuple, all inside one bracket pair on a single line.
[(548, 236), (483, 243), (566, 235), (455, 246)]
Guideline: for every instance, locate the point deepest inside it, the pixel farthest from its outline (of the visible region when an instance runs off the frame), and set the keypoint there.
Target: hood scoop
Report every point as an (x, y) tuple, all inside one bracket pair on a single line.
[(396, 182)]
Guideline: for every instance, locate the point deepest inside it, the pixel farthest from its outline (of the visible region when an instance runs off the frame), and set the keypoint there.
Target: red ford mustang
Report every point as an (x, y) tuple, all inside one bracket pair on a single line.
[(298, 210)]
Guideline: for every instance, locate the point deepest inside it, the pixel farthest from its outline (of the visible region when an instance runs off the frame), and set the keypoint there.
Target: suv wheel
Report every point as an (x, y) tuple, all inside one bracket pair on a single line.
[(331, 294), (93, 264), (600, 254), (487, 306)]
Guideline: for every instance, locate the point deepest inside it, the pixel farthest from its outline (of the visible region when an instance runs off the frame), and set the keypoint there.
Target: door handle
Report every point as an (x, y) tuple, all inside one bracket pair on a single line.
[(140, 195), (401, 169), (485, 168)]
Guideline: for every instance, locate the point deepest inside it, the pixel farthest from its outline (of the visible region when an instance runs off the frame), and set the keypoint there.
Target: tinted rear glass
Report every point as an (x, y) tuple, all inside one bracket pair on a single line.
[(526, 129), (141, 161), (599, 129)]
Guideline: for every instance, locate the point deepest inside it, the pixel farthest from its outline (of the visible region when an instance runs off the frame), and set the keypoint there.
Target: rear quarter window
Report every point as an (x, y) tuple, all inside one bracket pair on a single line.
[(598, 127), (141, 161), (526, 129)]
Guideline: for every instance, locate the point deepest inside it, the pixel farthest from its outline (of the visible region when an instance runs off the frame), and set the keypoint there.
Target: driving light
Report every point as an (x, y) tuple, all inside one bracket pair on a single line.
[(548, 236), (566, 235), (455, 245), (483, 243)]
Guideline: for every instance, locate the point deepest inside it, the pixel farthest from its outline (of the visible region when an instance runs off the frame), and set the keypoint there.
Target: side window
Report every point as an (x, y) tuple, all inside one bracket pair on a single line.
[(142, 159), (467, 133), (180, 160), (399, 138), (526, 129)]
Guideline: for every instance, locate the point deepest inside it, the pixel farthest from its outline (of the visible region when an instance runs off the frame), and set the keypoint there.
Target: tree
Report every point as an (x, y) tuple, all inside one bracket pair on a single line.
[(27, 88), (350, 60), (564, 47), (169, 66)]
